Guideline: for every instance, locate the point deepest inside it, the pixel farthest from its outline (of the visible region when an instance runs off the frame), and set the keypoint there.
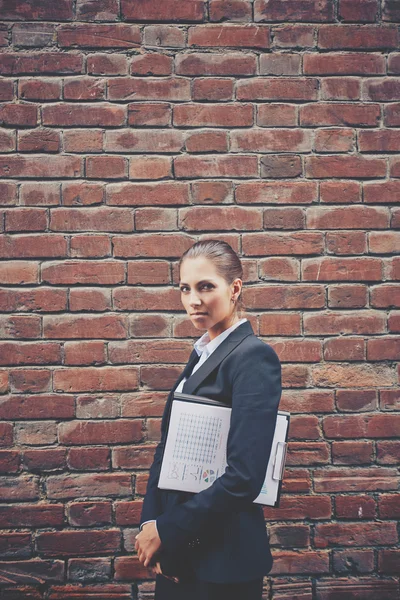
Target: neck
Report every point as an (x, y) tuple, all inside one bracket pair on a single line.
[(222, 326)]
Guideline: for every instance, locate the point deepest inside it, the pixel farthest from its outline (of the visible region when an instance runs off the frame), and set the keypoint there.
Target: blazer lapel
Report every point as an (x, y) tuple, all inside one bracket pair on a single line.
[(225, 347)]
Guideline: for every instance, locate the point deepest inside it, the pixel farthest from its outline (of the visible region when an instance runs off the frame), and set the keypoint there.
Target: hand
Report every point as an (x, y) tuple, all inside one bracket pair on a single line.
[(158, 571), (148, 542)]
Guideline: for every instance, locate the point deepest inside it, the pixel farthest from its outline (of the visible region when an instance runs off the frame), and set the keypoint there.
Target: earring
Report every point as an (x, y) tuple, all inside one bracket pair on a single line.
[(233, 299)]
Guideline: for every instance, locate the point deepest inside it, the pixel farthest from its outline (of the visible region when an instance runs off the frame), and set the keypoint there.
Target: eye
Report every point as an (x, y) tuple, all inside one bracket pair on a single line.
[(207, 285), (183, 287)]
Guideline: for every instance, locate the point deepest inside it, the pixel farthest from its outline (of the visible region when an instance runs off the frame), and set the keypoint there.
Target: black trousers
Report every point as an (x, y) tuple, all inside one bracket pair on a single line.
[(204, 590)]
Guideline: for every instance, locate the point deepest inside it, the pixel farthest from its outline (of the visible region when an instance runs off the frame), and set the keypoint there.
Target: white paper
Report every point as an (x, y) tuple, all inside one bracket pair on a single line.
[(195, 450)]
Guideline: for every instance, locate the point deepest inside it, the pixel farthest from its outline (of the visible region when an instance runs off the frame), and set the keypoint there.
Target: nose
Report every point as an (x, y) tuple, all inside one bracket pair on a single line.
[(194, 299)]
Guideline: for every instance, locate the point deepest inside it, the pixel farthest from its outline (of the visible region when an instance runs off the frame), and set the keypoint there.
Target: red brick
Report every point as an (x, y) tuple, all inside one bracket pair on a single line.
[(97, 407), (152, 168), (200, 64), (20, 115), (104, 432), (341, 349), (359, 534), (82, 193), (340, 88), (9, 462), (47, 459), (394, 164), (36, 407), (149, 114), (89, 459), (171, 88), (353, 375), (88, 485), (394, 323), (78, 543), (97, 10), (344, 64), (207, 141), (72, 115), (308, 453), (358, 10), (39, 167), (212, 192), (276, 167), (18, 488), (293, 10), (39, 89), (293, 36), (384, 242), (31, 515), (280, 64), (89, 569), (170, 10), (151, 194), (83, 140), (284, 243), (390, 11), (357, 588), (368, 322), (6, 90), (389, 561), (383, 348), (271, 140), (210, 218), (346, 242), (337, 113), (38, 10), (392, 114), (191, 167), (128, 513), (106, 167), (390, 399), (356, 400), (394, 63), (380, 140), (238, 36), (230, 10), (305, 562), (31, 35), (368, 37), (388, 452), (279, 323), (264, 88), (107, 64), (383, 90), (151, 64), (87, 514), (352, 453), (276, 115), (289, 536), (322, 167), (355, 479), (212, 89), (84, 88), (342, 269), (8, 194), (213, 115), (143, 141), (86, 35), (39, 140), (41, 62), (276, 192), (353, 561), (299, 508), (385, 192), (7, 141), (340, 192), (84, 299), (168, 36), (349, 426), (89, 379), (388, 506)]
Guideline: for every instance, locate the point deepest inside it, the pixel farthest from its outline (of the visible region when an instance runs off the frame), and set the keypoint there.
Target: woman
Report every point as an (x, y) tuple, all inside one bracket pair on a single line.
[(214, 545)]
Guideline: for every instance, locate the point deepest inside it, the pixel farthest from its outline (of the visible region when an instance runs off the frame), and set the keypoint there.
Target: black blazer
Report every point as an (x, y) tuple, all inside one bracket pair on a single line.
[(219, 532)]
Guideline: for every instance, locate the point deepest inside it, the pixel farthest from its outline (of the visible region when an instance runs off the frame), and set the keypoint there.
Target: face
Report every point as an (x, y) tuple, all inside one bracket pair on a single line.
[(206, 293)]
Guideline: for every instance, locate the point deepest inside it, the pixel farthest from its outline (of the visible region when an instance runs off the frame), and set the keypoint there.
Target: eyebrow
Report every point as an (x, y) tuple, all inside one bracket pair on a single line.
[(199, 282)]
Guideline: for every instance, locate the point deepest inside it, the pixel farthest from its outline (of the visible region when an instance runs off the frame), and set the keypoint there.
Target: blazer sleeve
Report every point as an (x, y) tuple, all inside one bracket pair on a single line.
[(256, 391)]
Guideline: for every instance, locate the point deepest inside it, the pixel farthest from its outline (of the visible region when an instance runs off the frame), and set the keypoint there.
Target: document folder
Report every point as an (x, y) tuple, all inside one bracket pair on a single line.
[(195, 448)]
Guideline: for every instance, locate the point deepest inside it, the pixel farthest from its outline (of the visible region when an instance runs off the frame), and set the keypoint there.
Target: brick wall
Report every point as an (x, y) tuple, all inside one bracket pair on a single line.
[(130, 129)]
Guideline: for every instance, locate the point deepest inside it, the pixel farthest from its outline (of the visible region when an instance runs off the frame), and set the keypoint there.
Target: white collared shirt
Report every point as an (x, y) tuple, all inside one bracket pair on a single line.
[(204, 347)]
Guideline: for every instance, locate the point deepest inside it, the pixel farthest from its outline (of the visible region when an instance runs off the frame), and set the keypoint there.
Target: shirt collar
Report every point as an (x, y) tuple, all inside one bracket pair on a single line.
[(204, 344)]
